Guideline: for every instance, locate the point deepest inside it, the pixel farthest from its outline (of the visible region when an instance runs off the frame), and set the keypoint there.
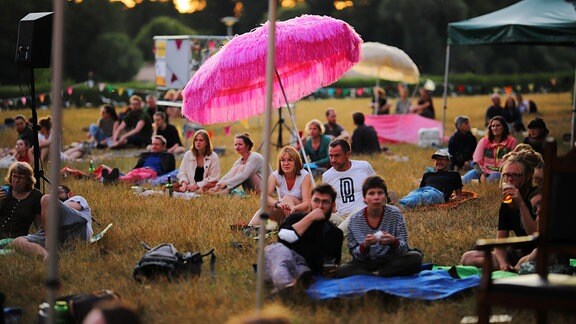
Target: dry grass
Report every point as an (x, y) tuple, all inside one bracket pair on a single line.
[(203, 223)]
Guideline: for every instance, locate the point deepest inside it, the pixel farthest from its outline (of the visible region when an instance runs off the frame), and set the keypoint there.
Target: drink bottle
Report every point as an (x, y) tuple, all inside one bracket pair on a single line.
[(170, 187)]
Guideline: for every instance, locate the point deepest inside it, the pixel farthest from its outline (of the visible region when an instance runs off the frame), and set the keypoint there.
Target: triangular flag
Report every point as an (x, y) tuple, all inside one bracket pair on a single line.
[(174, 78), (227, 130), (42, 96), (178, 43), (23, 100), (129, 92), (70, 90), (120, 91), (244, 123), (101, 86)]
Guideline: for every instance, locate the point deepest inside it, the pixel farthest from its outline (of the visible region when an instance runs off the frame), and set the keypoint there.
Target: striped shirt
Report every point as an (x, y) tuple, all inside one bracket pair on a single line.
[(392, 222)]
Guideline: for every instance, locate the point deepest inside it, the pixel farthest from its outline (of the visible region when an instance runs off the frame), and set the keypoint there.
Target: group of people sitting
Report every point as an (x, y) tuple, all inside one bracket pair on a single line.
[(424, 106)]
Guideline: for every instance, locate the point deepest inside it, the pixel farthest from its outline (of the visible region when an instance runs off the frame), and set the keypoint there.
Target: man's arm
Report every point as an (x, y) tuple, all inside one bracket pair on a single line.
[(135, 130), (118, 130), (298, 228)]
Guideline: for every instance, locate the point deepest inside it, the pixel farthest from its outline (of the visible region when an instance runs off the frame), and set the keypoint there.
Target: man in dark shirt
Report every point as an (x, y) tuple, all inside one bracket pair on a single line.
[(462, 144), (306, 241), (364, 137), (170, 133), (331, 128), (435, 187), (135, 128)]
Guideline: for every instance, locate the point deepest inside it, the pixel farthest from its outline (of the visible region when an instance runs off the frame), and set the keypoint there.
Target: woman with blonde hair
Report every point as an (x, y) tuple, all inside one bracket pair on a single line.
[(19, 201), (200, 167), (289, 187)]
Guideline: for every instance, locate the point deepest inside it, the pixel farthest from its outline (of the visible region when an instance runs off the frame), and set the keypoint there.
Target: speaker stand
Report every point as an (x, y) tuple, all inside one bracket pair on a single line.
[(38, 172)]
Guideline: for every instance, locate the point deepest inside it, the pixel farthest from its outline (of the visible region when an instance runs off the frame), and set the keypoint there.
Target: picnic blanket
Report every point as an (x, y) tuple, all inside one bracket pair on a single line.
[(426, 285), (466, 196)]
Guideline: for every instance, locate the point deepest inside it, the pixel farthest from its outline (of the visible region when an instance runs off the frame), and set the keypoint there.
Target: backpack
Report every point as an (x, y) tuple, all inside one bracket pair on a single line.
[(164, 260)]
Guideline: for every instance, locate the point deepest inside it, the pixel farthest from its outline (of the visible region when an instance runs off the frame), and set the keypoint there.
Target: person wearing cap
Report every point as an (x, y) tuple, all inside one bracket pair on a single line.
[(537, 134), (462, 144), (435, 187), (495, 109)]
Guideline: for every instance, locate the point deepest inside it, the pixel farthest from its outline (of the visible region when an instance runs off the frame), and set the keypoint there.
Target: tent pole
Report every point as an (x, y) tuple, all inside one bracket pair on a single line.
[(52, 281), (270, 59), (445, 95), (573, 112)]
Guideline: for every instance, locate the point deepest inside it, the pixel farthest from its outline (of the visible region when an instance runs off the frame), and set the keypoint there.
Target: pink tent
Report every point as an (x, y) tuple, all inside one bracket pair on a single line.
[(401, 128)]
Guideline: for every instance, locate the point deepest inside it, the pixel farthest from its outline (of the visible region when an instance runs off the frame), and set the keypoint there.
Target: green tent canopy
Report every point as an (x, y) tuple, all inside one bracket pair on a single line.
[(534, 22), (527, 22)]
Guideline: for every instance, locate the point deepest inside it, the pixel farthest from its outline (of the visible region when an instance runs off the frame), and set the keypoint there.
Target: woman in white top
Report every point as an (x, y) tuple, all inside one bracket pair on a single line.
[(289, 187), (246, 171), (200, 167)]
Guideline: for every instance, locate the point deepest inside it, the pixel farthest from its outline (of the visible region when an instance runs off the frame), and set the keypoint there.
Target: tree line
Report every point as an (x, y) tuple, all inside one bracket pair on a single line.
[(112, 42)]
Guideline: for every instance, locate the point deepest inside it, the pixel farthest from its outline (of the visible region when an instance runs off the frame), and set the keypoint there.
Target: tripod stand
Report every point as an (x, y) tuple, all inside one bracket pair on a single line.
[(279, 124), (38, 172)]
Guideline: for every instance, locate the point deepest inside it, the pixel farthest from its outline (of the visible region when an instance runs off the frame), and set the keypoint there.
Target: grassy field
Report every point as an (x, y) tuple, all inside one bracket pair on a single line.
[(201, 224)]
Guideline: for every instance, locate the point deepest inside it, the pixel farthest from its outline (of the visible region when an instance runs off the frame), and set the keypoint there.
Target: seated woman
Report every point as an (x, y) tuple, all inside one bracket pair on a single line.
[(246, 171), (537, 134), (489, 153), (151, 164), (44, 138), (316, 147), (289, 187), (22, 151), (100, 132), (200, 167)]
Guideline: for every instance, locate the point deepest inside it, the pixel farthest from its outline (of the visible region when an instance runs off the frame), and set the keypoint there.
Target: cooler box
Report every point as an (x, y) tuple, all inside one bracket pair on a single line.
[(428, 137)]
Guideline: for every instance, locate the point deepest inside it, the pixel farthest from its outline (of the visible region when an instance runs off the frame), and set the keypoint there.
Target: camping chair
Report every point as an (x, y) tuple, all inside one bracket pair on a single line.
[(541, 291)]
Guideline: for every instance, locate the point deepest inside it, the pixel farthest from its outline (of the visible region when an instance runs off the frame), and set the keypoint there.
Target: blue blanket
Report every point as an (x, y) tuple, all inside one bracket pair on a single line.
[(427, 285)]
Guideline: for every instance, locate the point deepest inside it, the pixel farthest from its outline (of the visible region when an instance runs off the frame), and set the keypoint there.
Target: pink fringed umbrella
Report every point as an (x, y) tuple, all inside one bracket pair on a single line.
[(311, 52)]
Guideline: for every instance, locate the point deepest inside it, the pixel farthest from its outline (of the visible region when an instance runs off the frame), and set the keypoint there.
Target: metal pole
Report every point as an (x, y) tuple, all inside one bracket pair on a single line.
[(573, 129), (270, 68), (52, 281), (445, 95)]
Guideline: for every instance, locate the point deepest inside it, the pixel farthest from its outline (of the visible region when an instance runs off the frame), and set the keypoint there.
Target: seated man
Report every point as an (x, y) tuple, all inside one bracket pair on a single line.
[(364, 138), (332, 128), (305, 242), (462, 144), (170, 133), (75, 224), (377, 237), (346, 177), (435, 187), (135, 128)]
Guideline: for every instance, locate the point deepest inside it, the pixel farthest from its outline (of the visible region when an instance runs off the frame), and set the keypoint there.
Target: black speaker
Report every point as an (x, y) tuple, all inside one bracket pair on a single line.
[(34, 40)]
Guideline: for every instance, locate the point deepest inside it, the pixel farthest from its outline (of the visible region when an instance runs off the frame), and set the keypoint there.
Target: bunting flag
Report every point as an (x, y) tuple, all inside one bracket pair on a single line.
[(129, 92), (70, 90), (244, 123), (42, 96), (174, 77), (178, 43), (508, 90), (101, 86), (228, 130), (120, 91), (23, 100)]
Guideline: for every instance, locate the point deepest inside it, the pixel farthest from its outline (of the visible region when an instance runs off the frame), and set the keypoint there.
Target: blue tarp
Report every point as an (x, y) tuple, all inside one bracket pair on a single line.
[(427, 285)]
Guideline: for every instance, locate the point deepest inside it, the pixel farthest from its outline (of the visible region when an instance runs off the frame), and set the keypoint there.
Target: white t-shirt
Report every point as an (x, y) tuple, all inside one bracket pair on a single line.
[(282, 186), (85, 213), (348, 185)]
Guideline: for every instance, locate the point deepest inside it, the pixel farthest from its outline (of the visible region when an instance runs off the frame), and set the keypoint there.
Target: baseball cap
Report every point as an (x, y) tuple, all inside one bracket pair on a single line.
[(441, 153)]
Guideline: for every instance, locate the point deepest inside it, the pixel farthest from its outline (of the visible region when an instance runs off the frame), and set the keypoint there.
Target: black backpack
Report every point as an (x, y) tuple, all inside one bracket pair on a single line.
[(165, 261)]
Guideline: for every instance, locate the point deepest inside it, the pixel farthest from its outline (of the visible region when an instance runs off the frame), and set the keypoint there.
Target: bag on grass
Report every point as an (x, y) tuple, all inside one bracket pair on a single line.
[(165, 261)]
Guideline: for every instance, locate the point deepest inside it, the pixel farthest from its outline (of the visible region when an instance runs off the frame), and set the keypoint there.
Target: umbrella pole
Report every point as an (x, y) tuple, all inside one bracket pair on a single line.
[(52, 282), (293, 118), (445, 95), (375, 110), (573, 113), (270, 59)]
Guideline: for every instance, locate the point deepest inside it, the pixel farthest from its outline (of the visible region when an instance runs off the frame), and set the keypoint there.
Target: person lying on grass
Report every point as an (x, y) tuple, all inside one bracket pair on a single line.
[(435, 187), (75, 223), (377, 237), (150, 165), (305, 241)]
